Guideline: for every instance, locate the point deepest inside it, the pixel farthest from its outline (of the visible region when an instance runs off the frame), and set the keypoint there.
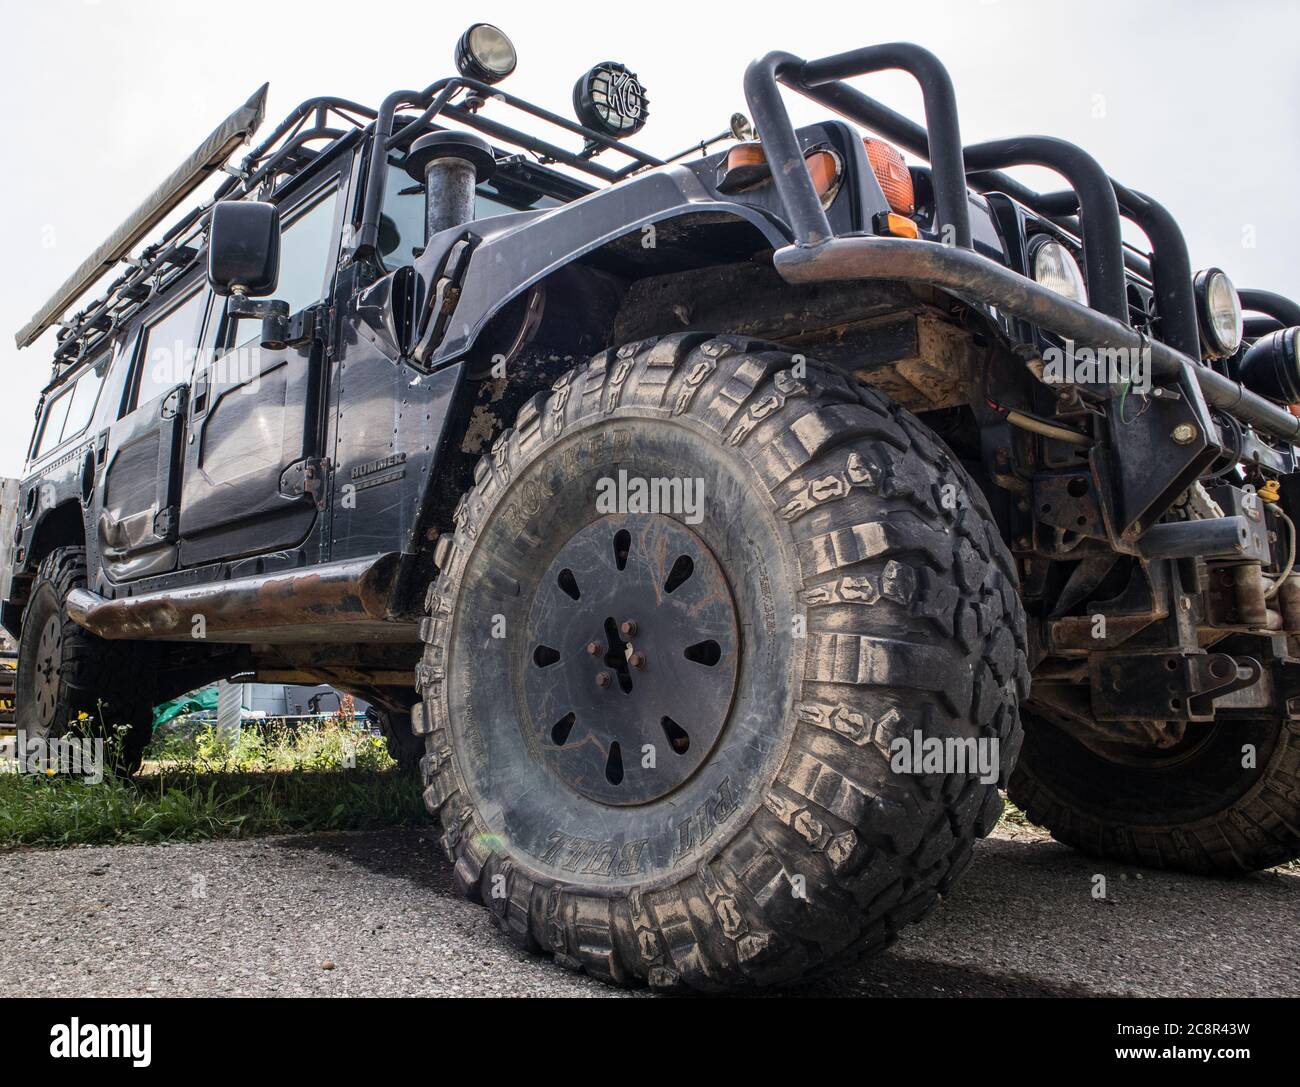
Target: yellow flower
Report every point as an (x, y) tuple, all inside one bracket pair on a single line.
[(49, 773), (83, 716)]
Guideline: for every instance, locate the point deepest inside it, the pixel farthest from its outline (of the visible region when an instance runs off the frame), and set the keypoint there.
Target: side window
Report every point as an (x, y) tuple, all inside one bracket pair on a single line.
[(401, 226), (305, 252), (69, 413), (85, 395), (165, 357), (56, 413)]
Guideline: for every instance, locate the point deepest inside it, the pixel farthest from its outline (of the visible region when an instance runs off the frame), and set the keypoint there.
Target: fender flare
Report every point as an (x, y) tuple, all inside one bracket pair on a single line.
[(506, 264)]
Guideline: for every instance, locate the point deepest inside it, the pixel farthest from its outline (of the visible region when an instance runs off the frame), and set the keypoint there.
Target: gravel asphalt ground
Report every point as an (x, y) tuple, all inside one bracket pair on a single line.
[(374, 915)]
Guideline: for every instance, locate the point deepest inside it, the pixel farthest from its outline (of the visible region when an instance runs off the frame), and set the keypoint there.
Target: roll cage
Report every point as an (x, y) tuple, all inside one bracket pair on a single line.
[(291, 148)]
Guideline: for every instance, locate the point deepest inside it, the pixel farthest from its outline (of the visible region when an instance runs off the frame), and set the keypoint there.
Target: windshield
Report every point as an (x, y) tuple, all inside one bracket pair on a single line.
[(401, 228)]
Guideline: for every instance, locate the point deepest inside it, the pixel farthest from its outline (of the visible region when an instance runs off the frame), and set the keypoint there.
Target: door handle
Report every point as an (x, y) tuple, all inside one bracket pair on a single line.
[(202, 385)]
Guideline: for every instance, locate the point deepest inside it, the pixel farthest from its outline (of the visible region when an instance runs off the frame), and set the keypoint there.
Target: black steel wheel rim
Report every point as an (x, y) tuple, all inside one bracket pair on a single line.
[(49, 667), (631, 657)]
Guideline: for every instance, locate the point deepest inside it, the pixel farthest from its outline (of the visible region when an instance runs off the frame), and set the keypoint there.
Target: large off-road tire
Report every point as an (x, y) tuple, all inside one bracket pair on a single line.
[(64, 671), (1208, 806), (404, 747), (846, 587)]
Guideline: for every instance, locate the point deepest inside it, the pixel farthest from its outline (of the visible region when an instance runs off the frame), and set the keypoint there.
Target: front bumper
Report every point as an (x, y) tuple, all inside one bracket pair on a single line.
[(969, 275)]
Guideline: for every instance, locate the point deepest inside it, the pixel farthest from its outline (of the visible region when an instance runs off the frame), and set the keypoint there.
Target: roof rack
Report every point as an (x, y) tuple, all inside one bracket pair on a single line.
[(285, 151)]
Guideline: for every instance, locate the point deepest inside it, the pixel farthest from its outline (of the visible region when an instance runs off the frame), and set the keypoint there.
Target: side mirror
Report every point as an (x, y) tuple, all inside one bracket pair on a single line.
[(244, 249)]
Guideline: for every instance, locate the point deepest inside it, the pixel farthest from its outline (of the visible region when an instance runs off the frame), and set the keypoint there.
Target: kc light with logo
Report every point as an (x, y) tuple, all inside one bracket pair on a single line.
[(611, 100)]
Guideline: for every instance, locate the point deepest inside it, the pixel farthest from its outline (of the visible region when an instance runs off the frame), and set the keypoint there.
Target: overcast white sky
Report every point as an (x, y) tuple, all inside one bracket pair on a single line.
[(1193, 101)]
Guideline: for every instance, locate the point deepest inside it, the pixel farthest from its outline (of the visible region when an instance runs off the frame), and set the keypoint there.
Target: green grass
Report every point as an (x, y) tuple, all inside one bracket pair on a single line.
[(326, 776), (326, 745), (1013, 816)]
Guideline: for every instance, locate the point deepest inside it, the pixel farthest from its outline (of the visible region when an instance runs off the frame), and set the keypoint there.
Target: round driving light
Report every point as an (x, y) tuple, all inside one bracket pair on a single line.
[(611, 100), (1219, 307), (1271, 366), (485, 54), (741, 127), (1055, 268)]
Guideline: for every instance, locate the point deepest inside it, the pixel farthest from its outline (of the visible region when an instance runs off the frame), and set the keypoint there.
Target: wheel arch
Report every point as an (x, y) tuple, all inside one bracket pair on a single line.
[(670, 241), (62, 525), (545, 325)]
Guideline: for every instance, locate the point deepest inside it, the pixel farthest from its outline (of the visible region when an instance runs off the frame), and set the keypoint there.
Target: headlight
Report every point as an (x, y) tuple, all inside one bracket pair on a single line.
[(1054, 267), (485, 54), (1271, 366), (1219, 308)]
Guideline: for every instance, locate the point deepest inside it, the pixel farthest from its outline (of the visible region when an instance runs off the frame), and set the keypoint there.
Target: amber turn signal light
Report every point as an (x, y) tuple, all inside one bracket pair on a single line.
[(746, 154), (892, 173), (747, 165), (824, 169), (893, 225)]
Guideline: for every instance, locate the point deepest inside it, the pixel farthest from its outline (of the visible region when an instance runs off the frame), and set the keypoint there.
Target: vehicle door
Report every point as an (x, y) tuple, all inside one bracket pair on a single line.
[(136, 493), (252, 455)]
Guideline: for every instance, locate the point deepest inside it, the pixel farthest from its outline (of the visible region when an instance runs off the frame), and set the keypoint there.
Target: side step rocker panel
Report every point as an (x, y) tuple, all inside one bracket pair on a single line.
[(336, 602)]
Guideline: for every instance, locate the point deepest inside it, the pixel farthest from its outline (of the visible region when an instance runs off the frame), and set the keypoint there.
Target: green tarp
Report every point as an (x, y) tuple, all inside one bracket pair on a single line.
[(194, 702)]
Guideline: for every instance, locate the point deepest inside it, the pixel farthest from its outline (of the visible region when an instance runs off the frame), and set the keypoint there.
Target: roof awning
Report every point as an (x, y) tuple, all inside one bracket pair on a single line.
[(209, 157)]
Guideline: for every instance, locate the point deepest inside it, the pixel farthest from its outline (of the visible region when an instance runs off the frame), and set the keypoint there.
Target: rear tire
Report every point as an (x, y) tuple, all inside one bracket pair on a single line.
[(404, 747), (1197, 809), (64, 671), (872, 598)]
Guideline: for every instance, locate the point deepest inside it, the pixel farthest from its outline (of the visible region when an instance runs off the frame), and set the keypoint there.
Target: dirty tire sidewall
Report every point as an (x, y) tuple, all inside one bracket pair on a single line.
[(563, 834), (40, 709)]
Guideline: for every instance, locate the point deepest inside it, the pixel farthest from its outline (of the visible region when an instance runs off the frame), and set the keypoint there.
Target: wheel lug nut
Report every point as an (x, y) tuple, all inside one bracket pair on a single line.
[(629, 628), (593, 649), (602, 679), (637, 660)]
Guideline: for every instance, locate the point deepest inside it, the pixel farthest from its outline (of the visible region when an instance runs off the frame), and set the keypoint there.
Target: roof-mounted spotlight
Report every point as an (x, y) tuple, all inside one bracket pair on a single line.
[(485, 53), (611, 100)]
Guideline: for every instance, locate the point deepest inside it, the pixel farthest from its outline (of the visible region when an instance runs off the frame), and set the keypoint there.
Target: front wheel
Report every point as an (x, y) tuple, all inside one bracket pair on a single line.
[(694, 604)]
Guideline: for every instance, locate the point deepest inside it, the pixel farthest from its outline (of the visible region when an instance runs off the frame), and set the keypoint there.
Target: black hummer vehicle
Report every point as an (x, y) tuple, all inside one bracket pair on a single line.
[(719, 510)]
